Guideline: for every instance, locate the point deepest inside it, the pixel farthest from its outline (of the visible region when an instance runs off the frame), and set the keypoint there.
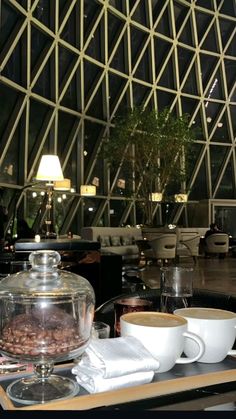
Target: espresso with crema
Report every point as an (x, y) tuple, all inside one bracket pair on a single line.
[(153, 319), (206, 313)]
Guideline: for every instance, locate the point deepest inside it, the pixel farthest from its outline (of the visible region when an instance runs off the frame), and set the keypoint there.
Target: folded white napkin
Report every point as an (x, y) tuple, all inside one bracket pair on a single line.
[(109, 364)]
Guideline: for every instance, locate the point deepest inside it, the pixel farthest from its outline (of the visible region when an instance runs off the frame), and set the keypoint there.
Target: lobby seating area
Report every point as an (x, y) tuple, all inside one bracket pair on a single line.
[(119, 240)]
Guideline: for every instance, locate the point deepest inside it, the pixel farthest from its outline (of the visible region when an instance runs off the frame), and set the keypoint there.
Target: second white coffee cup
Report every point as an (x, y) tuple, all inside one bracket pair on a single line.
[(163, 335), (216, 327)]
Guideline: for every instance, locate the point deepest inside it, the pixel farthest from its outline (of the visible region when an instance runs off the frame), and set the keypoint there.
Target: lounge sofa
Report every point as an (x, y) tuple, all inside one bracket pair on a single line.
[(119, 240)]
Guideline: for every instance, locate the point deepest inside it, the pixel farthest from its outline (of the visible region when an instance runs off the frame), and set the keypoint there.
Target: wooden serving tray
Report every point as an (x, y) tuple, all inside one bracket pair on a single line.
[(191, 379)]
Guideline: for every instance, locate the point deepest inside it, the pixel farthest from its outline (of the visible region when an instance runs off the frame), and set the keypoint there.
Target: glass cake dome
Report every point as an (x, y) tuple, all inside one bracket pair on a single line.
[(46, 317)]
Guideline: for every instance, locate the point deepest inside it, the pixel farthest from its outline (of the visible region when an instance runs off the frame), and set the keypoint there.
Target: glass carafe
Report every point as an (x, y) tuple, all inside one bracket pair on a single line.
[(46, 317)]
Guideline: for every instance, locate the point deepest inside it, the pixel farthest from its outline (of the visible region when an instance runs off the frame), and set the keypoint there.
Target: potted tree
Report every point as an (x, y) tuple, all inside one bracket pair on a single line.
[(155, 147)]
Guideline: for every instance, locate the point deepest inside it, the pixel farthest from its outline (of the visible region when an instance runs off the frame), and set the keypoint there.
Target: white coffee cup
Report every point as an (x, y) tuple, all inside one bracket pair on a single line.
[(163, 334), (217, 329)]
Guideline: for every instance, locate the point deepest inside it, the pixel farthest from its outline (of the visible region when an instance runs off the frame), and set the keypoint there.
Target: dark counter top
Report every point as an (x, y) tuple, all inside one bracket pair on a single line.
[(56, 244)]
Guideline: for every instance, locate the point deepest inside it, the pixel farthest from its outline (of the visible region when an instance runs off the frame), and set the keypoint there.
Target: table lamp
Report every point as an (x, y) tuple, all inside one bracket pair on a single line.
[(49, 171)]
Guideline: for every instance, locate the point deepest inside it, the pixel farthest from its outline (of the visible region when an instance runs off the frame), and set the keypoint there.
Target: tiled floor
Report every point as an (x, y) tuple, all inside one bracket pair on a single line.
[(213, 274)]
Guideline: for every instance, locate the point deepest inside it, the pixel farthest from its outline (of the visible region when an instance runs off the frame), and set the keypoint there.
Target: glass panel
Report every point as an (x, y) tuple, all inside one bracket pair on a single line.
[(199, 189), (94, 48), (45, 84), (233, 95), (202, 21), (15, 68), (226, 188), (115, 25), (8, 18), (226, 29), (118, 4), (37, 117), (23, 3), (210, 43), (141, 14), (221, 133), (90, 206), (70, 32), (164, 99), (71, 169), (186, 34), (8, 100), (233, 118), (197, 122), (116, 85), (96, 108), (208, 65), (10, 166), (167, 209), (66, 122), (157, 6), (44, 13), (184, 58), (123, 184), (143, 71), (91, 12), (93, 132), (140, 93), (164, 24), (67, 60), (180, 14), (118, 60), (227, 7), (207, 4), (72, 95), (190, 86), (189, 105), (230, 69), (162, 49), (91, 75), (117, 209), (192, 159), (212, 112), (138, 39), (62, 202), (225, 217), (217, 155), (97, 176), (34, 202), (40, 46), (167, 78), (231, 50)]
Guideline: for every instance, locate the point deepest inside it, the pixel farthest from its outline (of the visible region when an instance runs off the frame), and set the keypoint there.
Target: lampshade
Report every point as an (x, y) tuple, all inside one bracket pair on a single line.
[(49, 168), (181, 197), (87, 190), (62, 185), (156, 196)]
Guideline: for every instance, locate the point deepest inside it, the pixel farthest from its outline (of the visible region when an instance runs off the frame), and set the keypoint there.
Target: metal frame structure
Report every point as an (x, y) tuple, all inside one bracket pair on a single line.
[(67, 67)]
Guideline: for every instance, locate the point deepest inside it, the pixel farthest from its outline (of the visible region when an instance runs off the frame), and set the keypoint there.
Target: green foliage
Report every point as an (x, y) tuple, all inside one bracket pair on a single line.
[(154, 145)]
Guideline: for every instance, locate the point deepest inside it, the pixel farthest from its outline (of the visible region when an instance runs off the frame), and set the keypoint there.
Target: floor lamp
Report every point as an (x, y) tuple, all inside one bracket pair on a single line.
[(49, 171)]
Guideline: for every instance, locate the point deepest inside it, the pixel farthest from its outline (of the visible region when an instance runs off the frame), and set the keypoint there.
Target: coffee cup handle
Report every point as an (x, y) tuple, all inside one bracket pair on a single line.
[(232, 351), (201, 345)]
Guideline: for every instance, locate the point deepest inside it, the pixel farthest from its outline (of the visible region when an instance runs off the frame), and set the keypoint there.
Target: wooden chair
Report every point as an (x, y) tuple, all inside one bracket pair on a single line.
[(162, 248), (188, 247), (217, 243)]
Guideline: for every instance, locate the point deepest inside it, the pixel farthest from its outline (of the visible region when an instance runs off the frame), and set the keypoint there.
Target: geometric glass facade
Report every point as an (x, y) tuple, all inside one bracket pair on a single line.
[(68, 66)]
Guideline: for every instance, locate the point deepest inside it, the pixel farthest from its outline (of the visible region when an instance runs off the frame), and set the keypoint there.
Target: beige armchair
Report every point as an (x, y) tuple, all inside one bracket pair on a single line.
[(188, 247), (217, 243), (163, 247)]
